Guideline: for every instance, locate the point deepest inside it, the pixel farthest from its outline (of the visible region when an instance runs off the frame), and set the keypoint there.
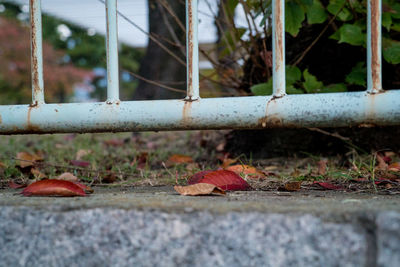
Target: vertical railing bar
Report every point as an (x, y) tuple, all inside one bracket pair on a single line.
[(278, 48), (112, 52), (36, 52), (374, 47), (192, 51)]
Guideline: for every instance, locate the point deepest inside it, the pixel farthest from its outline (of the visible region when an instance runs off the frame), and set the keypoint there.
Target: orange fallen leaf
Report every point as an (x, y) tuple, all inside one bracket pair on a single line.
[(54, 187), (25, 159), (178, 159), (227, 161), (395, 166), (67, 176), (251, 171), (199, 189)]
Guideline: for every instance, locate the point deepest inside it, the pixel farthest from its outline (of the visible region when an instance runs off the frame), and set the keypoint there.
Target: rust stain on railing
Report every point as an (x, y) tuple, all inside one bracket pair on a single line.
[(375, 48)]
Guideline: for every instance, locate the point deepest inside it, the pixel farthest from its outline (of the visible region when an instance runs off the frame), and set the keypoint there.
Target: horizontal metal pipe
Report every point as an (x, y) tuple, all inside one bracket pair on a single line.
[(313, 110)]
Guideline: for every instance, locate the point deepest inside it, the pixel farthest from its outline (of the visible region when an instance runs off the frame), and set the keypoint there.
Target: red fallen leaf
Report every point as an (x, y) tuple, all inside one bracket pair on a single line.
[(54, 187), (79, 163), (226, 180), (14, 185), (195, 179), (328, 186), (387, 159), (87, 189)]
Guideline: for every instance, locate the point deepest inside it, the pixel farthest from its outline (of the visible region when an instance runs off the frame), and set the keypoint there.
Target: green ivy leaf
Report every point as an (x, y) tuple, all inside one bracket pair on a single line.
[(311, 84), (293, 74), (351, 34), (357, 75), (316, 13), (293, 18), (291, 90), (338, 5), (262, 88), (396, 8), (387, 20), (392, 53), (335, 88)]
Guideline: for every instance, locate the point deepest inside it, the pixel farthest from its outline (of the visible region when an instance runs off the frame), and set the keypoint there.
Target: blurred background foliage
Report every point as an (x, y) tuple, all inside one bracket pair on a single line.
[(72, 55)]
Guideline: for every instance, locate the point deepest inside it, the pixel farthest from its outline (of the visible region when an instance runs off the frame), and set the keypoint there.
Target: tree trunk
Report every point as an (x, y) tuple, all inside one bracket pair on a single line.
[(157, 65)]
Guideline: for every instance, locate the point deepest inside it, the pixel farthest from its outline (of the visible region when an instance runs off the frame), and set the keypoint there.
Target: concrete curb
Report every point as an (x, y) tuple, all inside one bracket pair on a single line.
[(132, 237)]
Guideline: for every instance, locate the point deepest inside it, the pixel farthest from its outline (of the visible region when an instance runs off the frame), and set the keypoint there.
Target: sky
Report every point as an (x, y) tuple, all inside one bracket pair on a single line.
[(91, 14)]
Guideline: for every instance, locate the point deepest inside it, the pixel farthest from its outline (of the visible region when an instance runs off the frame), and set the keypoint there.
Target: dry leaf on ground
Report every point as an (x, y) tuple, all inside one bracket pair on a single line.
[(395, 166), (114, 142), (291, 186), (79, 163), (199, 189), (224, 179), (81, 153), (322, 165), (37, 174), (328, 186), (67, 176), (247, 170), (54, 187), (178, 159), (25, 159), (382, 165)]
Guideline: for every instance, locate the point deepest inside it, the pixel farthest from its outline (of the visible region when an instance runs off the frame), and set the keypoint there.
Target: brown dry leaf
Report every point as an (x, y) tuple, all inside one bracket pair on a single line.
[(382, 165), (81, 153), (191, 167), (37, 174), (109, 178), (67, 176), (114, 142), (2, 165), (291, 186), (322, 165), (141, 160), (199, 189), (179, 159), (25, 159), (247, 170)]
